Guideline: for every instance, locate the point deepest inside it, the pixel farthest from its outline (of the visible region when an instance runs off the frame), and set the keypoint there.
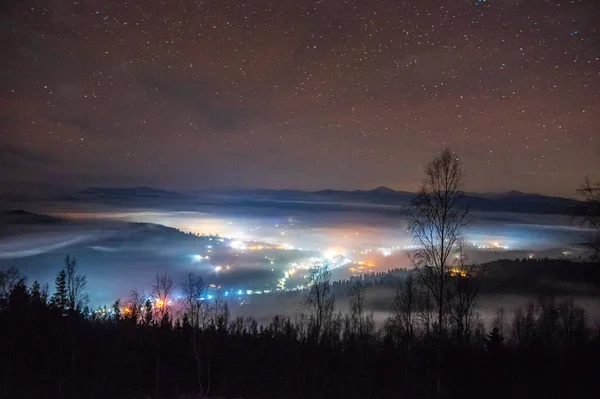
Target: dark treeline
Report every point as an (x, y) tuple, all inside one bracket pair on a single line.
[(541, 277), (53, 346), (527, 276)]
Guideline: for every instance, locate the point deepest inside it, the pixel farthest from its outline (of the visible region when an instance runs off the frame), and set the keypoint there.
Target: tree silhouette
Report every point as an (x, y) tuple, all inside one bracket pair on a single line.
[(437, 218), (591, 212), (196, 310), (8, 280), (464, 289), (161, 294), (76, 297), (319, 302), (404, 307), (59, 297), (495, 341), (361, 321)]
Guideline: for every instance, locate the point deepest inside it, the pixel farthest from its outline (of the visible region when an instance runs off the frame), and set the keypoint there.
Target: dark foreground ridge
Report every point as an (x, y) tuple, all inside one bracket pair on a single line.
[(21, 217), (52, 346)]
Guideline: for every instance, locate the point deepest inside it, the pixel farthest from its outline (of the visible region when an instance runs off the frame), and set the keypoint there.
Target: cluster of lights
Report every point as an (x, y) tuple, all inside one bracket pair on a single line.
[(386, 251), (237, 244), (493, 246), (241, 246), (282, 281), (362, 267), (210, 236), (335, 257), (333, 253), (103, 312), (271, 260), (454, 272), (241, 292)]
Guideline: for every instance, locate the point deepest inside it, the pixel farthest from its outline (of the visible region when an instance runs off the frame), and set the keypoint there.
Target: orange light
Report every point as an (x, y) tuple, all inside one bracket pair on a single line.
[(458, 272)]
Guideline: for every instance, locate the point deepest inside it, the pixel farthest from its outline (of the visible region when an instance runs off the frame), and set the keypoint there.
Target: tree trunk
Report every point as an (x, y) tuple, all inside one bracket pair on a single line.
[(438, 382), (157, 375), (208, 372), (198, 361)]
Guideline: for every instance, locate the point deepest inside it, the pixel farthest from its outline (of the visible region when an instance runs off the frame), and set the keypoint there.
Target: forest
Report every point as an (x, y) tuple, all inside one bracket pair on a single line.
[(53, 346)]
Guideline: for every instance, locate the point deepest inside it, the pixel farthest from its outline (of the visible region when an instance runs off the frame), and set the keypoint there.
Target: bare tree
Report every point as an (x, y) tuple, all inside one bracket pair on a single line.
[(436, 221), (77, 298), (523, 328), (591, 211), (319, 302), (194, 289), (220, 314), (161, 292), (437, 218), (426, 313), (361, 323), (134, 307), (500, 322), (464, 288), (8, 280), (572, 323), (404, 308)]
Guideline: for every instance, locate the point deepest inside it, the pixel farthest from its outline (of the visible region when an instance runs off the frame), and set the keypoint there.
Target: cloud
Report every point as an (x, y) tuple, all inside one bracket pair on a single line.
[(198, 94), (40, 244), (78, 122), (11, 155)]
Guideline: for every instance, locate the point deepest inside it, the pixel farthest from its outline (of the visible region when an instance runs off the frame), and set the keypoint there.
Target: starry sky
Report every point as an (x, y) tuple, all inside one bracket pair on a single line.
[(299, 94)]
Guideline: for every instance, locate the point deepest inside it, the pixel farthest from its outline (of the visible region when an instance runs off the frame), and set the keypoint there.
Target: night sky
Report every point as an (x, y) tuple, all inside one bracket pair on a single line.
[(299, 94)]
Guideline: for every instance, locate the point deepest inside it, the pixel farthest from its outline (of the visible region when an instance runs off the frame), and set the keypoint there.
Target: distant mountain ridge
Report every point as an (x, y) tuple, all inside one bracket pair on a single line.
[(512, 201), (126, 192), (19, 216), (111, 194)]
